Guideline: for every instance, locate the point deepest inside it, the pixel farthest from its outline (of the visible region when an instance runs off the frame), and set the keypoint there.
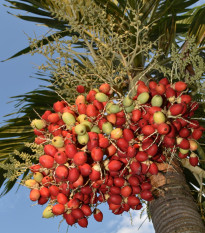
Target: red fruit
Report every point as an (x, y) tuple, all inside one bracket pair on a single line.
[(177, 125), (78, 182), (83, 222), (196, 134), (91, 96), (135, 167), (128, 134), (149, 147), (146, 195), (111, 150), (133, 201), (142, 88), (170, 93), (92, 144), (54, 190), (34, 194), (80, 89), (85, 169), (98, 105), (46, 161), (80, 158), (154, 109), (39, 132), (62, 198), (141, 156), (114, 165), (97, 154), (86, 190), (119, 181), (152, 84), (103, 142), (58, 106), (45, 192), (136, 189), (73, 175), (146, 186), (53, 117), (133, 180), (142, 123), (180, 86), (176, 109), (77, 213), (183, 143), (73, 204), (45, 115), (185, 98), (46, 181), (122, 144), (98, 215), (35, 168), (64, 188), (113, 206), (86, 210), (114, 190), (153, 169), (40, 140), (60, 157), (147, 130), (91, 111), (126, 191), (131, 152), (58, 209), (115, 199), (62, 172), (42, 200), (82, 108), (70, 150), (94, 175), (164, 81), (193, 159), (104, 88), (69, 219), (136, 115), (163, 128), (182, 156), (160, 88), (184, 133), (120, 121)]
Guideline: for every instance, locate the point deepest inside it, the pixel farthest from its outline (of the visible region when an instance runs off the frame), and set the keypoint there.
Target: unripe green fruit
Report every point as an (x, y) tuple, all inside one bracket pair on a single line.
[(30, 183), (68, 118), (143, 98), (58, 142), (80, 129), (116, 133), (88, 125), (101, 97), (157, 101), (95, 129), (107, 128), (127, 101), (108, 107), (47, 213), (130, 108), (38, 124), (83, 139), (183, 151), (159, 117), (114, 108), (81, 118), (38, 176)]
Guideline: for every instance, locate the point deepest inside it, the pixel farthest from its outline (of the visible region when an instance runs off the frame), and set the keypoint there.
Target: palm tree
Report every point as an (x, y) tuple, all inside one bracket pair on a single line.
[(166, 22)]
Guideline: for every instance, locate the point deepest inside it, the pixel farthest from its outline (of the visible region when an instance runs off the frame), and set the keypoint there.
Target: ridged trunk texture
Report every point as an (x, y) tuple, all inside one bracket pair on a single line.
[(174, 210)]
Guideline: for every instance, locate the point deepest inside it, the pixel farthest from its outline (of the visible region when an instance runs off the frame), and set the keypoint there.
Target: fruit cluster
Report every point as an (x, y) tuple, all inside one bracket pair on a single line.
[(106, 146)]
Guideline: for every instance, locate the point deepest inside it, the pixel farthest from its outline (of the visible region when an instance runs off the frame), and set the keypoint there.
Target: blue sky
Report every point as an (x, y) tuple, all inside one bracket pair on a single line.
[(16, 213)]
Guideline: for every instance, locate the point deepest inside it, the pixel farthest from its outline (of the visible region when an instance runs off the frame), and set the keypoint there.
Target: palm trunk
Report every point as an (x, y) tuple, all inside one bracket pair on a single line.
[(173, 210)]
